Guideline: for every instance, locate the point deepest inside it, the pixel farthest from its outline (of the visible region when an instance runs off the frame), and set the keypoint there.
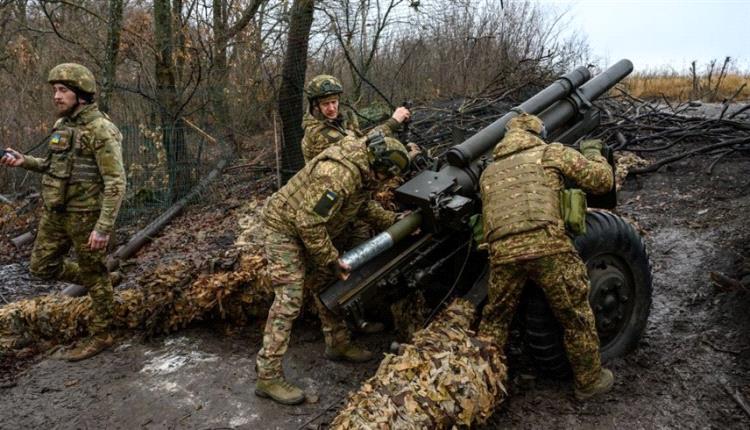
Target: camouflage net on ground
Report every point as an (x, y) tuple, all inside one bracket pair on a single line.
[(447, 377), (624, 161), (168, 298)]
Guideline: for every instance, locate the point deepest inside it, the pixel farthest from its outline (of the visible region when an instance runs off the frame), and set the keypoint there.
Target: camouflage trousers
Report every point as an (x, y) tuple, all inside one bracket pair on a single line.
[(564, 280), (58, 232), (287, 264)]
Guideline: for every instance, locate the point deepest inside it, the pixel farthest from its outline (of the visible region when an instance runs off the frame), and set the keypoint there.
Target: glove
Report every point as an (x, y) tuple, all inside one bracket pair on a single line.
[(591, 147)]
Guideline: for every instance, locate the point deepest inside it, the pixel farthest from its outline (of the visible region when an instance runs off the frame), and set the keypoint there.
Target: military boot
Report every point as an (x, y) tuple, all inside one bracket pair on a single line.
[(279, 390), (348, 352), (88, 348), (601, 386)]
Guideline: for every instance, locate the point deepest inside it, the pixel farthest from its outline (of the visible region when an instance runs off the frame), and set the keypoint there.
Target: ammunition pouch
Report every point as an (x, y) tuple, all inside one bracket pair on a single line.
[(573, 210), (55, 180)]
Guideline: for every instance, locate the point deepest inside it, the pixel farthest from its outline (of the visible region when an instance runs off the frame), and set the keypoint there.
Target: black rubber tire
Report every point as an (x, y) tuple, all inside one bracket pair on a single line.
[(620, 296)]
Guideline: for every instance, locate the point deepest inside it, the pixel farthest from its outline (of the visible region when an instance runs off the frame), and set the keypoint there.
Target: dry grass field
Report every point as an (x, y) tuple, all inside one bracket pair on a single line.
[(715, 83)]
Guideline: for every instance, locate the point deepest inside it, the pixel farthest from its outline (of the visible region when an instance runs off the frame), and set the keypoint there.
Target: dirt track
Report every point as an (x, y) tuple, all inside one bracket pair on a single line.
[(695, 352)]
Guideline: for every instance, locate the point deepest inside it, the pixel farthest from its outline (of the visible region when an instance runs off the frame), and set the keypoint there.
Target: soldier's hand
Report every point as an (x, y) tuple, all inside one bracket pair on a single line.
[(591, 147), (342, 270), (401, 114), (12, 158), (97, 240)]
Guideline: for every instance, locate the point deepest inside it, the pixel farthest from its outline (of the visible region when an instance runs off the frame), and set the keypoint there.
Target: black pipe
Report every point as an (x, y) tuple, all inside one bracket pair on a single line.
[(463, 154)]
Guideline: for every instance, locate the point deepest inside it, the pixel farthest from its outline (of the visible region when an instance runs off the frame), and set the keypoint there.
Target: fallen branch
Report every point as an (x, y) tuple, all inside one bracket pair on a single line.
[(737, 397), (658, 164)]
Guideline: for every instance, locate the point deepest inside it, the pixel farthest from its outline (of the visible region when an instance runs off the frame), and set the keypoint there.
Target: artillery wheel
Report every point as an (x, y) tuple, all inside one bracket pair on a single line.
[(620, 295)]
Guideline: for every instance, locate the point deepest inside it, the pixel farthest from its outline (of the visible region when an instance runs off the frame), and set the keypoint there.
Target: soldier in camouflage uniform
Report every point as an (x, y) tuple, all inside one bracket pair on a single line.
[(83, 185), (301, 223), (324, 123), (527, 240)]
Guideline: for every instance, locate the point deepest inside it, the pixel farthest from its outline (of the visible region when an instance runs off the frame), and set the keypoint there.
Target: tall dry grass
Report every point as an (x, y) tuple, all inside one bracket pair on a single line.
[(717, 82)]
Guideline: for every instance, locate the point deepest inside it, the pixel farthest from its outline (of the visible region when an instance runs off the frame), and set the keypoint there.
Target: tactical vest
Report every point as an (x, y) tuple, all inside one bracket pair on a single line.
[(288, 199), (516, 196), (332, 132), (69, 163)]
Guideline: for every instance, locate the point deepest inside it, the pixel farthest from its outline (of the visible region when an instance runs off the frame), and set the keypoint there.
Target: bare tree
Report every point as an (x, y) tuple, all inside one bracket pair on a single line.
[(292, 84), (223, 33), (114, 28)]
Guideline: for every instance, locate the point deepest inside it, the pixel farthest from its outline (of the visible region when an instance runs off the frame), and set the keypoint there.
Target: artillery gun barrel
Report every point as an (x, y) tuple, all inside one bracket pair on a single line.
[(368, 250), (464, 153), (568, 108)]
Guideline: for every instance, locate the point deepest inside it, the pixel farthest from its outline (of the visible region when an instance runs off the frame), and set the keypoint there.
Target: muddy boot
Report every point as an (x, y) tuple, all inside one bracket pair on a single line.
[(88, 348), (601, 386), (368, 327), (348, 352), (280, 390)]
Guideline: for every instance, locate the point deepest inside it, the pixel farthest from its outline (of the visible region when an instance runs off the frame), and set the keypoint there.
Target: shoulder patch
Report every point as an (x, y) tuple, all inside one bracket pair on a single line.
[(333, 135), (326, 202)]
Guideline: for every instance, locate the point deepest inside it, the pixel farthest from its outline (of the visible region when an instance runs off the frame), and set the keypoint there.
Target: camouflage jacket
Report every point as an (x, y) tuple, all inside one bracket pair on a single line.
[(592, 174), (320, 133), (323, 198), (97, 180)]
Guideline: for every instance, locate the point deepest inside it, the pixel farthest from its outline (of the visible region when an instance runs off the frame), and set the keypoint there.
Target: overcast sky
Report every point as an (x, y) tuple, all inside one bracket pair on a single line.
[(662, 33)]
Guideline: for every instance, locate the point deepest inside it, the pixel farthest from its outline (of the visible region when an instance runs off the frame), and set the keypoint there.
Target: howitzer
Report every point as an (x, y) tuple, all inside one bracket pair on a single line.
[(443, 260)]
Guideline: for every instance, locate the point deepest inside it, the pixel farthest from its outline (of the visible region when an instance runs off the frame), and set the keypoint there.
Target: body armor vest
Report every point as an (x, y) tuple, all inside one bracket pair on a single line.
[(282, 205), (516, 195), (69, 163)]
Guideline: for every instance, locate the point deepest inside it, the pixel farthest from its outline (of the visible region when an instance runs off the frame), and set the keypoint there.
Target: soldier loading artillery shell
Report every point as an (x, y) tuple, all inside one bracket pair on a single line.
[(83, 185), (303, 226)]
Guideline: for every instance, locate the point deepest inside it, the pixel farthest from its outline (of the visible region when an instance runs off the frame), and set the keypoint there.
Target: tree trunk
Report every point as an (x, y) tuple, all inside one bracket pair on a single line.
[(168, 100), (114, 28), (222, 35), (292, 84), (221, 76)]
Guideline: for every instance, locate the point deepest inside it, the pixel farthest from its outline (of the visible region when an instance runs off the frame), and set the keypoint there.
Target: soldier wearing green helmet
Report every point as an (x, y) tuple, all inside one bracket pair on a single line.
[(325, 123), (83, 184), (304, 225)]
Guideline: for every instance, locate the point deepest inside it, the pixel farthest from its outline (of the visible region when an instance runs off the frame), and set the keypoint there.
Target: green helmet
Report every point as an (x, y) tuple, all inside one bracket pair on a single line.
[(73, 75), (527, 122), (323, 86), (387, 155)]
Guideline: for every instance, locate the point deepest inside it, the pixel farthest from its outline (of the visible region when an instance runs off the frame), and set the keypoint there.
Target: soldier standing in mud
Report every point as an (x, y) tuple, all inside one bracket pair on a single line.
[(527, 240), (303, 226), (83, 185), (325, 124)]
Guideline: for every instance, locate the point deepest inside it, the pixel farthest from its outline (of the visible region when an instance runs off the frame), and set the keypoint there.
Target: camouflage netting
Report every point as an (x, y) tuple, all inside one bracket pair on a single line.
[(170, 297), (447, 377), (624, 161)]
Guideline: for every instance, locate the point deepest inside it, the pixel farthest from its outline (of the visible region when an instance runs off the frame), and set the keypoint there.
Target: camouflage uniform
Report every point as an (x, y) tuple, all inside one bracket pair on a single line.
[(301, 221), (527, 239), (321, 132), (83, 185)]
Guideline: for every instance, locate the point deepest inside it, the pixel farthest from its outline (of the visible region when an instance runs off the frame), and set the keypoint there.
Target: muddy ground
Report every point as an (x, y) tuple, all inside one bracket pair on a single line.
[(692, 363)]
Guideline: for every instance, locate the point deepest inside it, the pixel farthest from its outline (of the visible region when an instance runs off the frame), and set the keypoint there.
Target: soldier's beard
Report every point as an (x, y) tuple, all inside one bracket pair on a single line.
[(67, 112)]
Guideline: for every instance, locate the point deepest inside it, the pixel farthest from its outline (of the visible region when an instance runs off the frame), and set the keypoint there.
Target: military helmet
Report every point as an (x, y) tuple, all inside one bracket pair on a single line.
[(527, 122), (387, 154), (73, 75), (323, 86)]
